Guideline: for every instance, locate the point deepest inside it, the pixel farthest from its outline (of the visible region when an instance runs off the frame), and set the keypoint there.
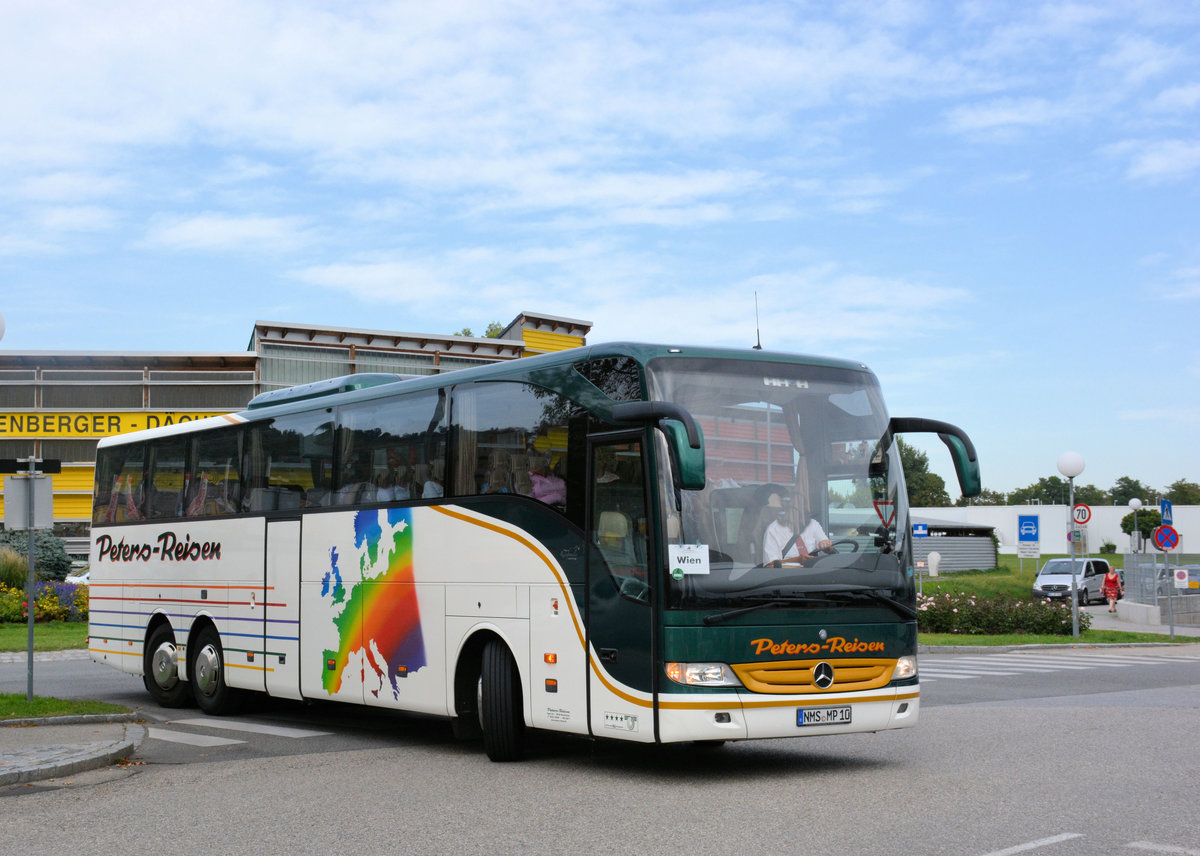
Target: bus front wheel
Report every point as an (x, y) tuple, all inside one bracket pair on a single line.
[(500, 708)]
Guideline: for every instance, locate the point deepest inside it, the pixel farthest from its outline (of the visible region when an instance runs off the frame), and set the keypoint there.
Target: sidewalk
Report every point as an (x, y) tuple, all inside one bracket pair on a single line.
[(35, 749)]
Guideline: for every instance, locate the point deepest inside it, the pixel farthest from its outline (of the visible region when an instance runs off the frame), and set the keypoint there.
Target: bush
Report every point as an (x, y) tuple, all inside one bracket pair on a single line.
[(1108, 548), (52, 601), (12, 604), (997, 616), (14, 568), (50, 553)]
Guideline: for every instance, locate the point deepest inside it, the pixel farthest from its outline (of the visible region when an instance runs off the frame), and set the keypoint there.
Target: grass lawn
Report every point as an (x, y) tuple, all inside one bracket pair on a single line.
[(47, 636), (1010, 580), (15, 706)]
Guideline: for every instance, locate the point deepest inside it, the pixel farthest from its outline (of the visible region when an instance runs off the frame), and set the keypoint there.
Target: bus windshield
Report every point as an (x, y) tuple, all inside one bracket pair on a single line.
[(804, 502)]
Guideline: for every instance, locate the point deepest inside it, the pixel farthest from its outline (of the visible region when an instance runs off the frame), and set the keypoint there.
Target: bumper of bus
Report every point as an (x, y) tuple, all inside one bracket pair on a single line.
[(754, 716)]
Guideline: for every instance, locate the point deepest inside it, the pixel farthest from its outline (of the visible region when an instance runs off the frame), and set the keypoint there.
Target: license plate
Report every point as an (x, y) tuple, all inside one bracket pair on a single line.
[(823, 716)]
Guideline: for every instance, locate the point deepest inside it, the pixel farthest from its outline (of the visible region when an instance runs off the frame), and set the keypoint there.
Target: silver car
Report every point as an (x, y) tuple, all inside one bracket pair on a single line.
[(1054, 580)]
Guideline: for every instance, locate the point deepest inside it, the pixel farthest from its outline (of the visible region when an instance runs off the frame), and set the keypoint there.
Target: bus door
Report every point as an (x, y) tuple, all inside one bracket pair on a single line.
[(621, 578), (281, 607)]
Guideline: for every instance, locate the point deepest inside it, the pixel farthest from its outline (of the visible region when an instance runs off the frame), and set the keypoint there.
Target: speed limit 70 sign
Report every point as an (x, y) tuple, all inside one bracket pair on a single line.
[(1081, 514)]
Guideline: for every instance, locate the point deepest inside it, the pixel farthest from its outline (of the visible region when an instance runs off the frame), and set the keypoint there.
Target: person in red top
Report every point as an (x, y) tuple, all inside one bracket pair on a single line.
[(1113, 588)]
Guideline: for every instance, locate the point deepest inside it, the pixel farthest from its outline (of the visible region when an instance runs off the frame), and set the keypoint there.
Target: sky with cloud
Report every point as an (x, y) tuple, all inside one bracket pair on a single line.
[(993, 205)]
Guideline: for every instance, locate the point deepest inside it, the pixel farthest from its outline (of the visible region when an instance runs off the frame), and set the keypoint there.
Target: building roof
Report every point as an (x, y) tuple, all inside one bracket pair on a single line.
[(240, 360), (390, 340)]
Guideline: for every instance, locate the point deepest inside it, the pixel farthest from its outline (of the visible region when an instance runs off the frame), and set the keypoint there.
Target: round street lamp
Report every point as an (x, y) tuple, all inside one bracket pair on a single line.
[(1070, 464), (1135, 504)]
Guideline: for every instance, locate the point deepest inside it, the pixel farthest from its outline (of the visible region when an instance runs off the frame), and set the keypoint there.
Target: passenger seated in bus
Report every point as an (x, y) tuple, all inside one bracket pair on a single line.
[(356, 484), (499, 475), (545, 486), (612, 537), (781, 544), (395, 482), (433, 484)]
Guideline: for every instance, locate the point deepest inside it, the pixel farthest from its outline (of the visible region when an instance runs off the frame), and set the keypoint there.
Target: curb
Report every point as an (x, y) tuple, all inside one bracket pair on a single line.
[(50, 762), (1005, 649)]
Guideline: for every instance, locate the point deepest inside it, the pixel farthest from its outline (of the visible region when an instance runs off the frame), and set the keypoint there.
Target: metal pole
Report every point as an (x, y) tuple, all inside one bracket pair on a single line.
[(29, 605), (1074, 587), (1170, 594)]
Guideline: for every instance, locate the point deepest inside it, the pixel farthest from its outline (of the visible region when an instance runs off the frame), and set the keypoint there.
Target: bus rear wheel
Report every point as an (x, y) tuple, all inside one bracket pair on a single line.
[(207, 672), (500, 708), (160, 669)]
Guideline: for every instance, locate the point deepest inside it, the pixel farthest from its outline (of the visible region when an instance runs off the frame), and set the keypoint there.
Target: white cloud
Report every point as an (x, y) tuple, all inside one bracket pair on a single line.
[(215, 231), (1164, 160), (1177, 99), (77, 218), (386, 282), (1004, 115)]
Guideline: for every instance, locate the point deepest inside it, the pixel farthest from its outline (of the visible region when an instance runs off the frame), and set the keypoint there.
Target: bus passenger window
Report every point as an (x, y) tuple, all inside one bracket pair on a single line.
[(170, 470), (119, 489), (512, 439), (215, 486)]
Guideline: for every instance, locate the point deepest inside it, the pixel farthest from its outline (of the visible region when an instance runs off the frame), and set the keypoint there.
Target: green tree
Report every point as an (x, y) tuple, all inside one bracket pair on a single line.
[(494, 330), (1049, 490), (925, 489), (465, 331), (1089, 494), (1147, 519), (1184, 493), (986, 497), (1126, 488)]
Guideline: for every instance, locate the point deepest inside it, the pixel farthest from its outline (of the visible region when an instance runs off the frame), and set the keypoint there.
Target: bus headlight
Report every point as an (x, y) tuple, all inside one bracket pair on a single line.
[(906, 667), (702, 674)]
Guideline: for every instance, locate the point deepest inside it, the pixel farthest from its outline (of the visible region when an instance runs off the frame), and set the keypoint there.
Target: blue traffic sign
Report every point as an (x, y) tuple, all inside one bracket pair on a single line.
[(1164, 508), (1027, 527), (1165, 538), (920, 530)]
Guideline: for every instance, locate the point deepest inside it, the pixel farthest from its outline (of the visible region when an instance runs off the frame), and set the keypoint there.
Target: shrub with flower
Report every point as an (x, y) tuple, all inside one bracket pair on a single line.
[(52, 601), (973, 615)]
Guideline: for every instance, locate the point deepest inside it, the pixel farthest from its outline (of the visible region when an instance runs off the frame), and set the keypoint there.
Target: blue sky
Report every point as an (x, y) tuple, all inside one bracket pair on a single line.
[(993, 205)]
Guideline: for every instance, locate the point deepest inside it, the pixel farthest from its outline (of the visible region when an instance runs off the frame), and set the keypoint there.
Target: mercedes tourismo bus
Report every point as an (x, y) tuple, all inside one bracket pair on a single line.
[(575, 542)]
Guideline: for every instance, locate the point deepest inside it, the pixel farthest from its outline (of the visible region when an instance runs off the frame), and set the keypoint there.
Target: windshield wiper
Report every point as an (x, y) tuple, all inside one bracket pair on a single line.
[(900, 607), (773, 601)]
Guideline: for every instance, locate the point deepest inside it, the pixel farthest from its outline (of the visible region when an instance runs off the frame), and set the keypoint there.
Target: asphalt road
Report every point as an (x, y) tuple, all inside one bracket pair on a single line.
[(1095, 752)]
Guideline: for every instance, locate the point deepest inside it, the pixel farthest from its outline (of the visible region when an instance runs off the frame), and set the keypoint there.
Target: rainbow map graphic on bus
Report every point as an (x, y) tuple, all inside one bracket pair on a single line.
[(379, 621)]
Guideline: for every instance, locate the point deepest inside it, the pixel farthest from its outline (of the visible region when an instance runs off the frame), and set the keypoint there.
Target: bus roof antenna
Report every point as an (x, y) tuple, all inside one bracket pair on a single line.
[(757, 330)]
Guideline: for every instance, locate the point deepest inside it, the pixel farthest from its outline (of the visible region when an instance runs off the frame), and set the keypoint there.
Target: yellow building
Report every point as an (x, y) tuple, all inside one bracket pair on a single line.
[(58, 404)]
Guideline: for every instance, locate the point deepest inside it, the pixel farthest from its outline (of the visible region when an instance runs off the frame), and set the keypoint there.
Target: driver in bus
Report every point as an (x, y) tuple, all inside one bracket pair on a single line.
[(781, 544)]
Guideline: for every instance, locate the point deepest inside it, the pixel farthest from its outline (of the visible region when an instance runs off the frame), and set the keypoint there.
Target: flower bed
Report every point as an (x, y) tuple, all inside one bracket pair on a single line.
[(978, 616), (52, 601)]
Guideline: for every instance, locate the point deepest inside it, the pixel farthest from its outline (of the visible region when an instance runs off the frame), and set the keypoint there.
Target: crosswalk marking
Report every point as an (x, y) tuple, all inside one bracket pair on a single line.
[(969, 666), (201, 740), (252, 727), (191, 738)]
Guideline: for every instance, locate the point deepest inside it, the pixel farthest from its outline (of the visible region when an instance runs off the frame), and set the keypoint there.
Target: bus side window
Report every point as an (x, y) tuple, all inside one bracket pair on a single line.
[(119, 489), (170, 462), (391, 448), (296, 455), (512, 438), (215, 487)]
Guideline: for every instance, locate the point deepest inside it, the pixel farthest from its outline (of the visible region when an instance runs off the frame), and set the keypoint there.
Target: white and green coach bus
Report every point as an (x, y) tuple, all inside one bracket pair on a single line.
[(590, 542)]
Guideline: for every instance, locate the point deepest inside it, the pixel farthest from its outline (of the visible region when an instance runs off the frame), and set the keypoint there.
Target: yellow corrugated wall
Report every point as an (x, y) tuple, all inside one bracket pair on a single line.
[(72, 493), (538, 341)]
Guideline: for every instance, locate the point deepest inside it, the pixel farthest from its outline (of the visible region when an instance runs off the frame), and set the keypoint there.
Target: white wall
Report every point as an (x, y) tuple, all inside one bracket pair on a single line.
[(1054, 523)]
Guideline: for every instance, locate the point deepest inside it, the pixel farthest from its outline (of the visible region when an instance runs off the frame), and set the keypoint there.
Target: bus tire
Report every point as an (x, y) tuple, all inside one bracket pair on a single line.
[(500, 708), (160, 669), (207, 672)]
